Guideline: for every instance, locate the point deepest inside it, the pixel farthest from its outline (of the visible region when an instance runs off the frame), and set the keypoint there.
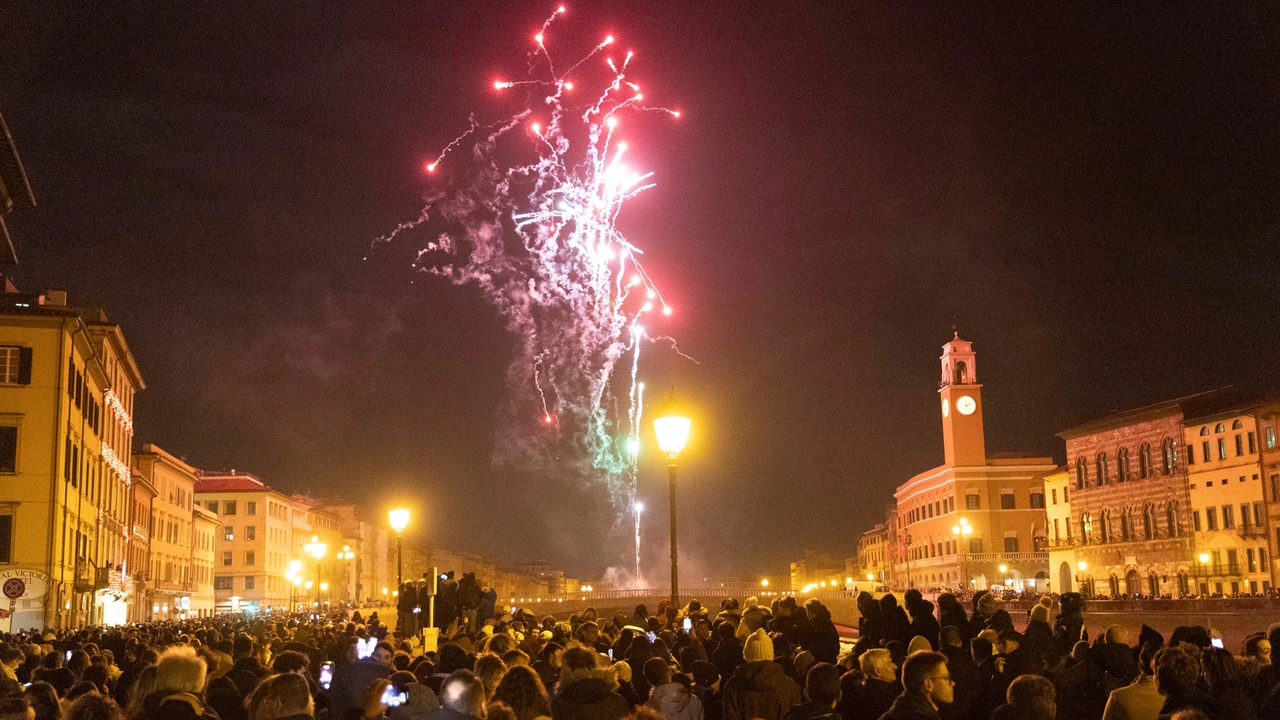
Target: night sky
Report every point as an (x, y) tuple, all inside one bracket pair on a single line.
[(1089, 193)]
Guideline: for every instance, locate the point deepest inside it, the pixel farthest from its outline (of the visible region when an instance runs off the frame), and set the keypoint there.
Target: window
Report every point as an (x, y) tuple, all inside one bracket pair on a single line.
[(1239, 445), (1250, 561), (1082, 473), (1233, 562), (222, 583), (1211, 518), (1006, 501), (1056, 535), (226, 558), (1191, 454), (1205, 454), (6, 538), (251, 532), (1144, 461), (972, 502), (1275, 488), (1102, 468), (1204, 431), (213, 505), (1258, 515), (15, 365), (1104, 527), (1126, 525), (1245, 516), (229, 507), (1053, 496), (251, 508), (248, 582), (248, 557), (1037, 500), (975, 545), (1269, 437), (1228, 517), (228, 532), (1122, 465), (1262, 559), (1195, 520), (1149, 521), (1253, 443), (8, 449), (1219, 428), (1222, 448), (1086, 528), (1168, 456), (1236, 424), (1011, 544)]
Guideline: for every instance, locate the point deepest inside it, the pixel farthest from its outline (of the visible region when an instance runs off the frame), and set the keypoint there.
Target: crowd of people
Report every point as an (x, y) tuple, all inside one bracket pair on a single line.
[(741, 661)]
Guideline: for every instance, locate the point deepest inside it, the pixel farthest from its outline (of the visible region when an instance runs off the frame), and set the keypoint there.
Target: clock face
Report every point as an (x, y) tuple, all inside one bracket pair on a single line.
[(966, 405), (946, 407)]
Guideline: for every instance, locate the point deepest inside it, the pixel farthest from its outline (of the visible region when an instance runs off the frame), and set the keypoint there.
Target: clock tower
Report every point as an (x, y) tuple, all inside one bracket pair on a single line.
[(961, 395)]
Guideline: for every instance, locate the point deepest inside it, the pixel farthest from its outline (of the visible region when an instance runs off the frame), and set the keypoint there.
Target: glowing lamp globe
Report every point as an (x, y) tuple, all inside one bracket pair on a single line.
[(672, 429), (399, 519)]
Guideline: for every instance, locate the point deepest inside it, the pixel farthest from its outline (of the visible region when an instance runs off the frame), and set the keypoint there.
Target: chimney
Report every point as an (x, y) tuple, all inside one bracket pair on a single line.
[(56, 297)]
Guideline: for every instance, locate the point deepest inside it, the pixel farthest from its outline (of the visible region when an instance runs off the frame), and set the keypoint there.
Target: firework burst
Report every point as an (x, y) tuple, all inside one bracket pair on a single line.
[(538, 235)]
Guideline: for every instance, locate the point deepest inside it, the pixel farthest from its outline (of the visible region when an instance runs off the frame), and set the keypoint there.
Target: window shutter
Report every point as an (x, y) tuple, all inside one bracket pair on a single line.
[(24, 366)]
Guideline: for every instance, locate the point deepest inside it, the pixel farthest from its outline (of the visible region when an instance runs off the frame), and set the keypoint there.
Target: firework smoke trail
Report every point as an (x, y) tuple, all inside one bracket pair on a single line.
[(540, 241)]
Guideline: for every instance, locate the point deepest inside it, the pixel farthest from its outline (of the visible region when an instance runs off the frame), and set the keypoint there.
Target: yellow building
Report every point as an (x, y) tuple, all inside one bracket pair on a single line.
[(1228, 511), (252, 547), (977, 520), (871, 556), (171, 583), (204, 525), (1064, 569), (67, 381)]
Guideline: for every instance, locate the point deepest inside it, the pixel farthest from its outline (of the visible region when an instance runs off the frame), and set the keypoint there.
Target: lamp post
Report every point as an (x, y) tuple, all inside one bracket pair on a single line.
[(1204, 564), (295, 566), (316, 549), (1004, 574), (346, 555), (399, 521), (962, 532), (672, 429), (1081, 567)]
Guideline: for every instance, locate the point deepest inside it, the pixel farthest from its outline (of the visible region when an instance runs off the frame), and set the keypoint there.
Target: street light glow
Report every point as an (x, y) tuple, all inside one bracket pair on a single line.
[(672, 429), (399, 519)]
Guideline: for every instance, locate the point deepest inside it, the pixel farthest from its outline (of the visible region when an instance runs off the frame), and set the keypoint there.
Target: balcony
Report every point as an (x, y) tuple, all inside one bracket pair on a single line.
[(1010, 557), (1252, 531)]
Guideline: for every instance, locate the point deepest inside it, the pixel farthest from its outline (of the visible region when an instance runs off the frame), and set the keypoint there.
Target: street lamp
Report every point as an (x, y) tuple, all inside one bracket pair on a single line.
[(672, 429), (962, 532), (399, 521), (764, 583), (1204, 563), (1081, 567), (316, 549), (295, 566), (1004, 577), (346, 555)]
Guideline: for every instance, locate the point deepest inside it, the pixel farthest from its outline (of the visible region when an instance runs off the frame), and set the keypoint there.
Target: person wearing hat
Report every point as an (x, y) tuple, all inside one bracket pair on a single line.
[(759, 688), (991, 617)]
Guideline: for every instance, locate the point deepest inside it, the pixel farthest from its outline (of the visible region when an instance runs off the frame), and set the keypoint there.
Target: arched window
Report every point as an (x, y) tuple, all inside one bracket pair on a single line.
[(1149, 521), (1115, 586), (962, 373), (1144, 461), (1126, 525), (1236, 425), (1104, 527), (1082, 473), (1103, 469), (1219, 428), (1122, 465), (1204, 431), (1172, 519), (1168, 456), (1086, 528)]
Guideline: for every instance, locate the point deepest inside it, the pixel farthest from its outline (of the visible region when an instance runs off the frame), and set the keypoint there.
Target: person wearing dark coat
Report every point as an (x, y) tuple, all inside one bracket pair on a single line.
[(1088, 685), (951, 612), (586, 692), (727, 655), (791, 622), (923, 623), (488, 602), (896, 625), (446, 600), (822, 692), (990, 616), (870, 623), (928, 688), (1068, 627), (1037, 639), (964, 671), (759, 688), (880, 687), (823, 640)]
